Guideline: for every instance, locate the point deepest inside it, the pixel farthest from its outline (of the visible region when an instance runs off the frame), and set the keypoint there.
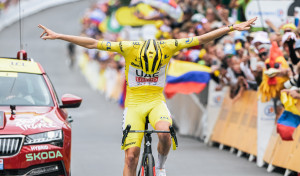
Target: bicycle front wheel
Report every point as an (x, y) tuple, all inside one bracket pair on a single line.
[(149, 166)]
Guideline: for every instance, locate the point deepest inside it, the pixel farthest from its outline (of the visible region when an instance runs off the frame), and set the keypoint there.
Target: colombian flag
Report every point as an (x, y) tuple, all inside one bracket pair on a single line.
[(290, 118), (186, 78)]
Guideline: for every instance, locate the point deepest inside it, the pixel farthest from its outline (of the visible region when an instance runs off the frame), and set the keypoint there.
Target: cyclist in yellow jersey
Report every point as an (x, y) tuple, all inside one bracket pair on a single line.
[(146, 68)]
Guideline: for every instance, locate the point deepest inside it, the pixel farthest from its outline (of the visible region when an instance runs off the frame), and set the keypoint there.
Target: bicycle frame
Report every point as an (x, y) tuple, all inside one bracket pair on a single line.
[(147, 153), (147, 140)]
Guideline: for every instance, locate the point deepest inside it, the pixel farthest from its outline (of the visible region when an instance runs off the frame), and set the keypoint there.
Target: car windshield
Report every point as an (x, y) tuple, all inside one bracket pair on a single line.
[(24, 89)]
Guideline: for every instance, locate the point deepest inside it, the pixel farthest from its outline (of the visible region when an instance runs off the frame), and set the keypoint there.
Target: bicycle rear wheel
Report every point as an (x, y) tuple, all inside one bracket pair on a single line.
[(148, 166)]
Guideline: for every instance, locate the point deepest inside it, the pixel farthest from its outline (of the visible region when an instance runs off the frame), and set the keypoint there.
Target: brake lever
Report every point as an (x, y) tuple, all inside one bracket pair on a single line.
[(173, 134), (125, 133)]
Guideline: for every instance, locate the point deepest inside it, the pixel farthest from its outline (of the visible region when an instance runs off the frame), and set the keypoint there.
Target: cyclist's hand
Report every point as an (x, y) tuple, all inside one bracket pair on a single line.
[(245, 25), (47, 34)]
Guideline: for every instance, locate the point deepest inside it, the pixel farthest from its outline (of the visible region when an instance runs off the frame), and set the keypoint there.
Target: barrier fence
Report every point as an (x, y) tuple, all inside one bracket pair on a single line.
[(104, 79), (236, 127)]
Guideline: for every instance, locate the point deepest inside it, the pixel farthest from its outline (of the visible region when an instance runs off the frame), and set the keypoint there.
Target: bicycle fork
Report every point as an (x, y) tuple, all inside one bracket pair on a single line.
[(146, 154)]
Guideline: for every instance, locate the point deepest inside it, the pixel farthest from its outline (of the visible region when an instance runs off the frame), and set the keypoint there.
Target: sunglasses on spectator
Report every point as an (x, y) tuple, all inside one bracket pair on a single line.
[(276, 65), (262, 54), (288, 30)]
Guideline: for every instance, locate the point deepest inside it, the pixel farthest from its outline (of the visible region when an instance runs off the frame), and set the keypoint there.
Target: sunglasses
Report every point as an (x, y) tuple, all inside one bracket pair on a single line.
[(288, 30), (262, 54)]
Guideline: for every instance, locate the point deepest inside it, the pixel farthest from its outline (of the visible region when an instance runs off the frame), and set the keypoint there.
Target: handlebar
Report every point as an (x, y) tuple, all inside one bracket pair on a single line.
[(172, 132), (125, 133)]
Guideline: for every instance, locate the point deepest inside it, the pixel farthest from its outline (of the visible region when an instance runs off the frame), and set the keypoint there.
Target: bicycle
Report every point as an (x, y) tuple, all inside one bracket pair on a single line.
[(147, 166)]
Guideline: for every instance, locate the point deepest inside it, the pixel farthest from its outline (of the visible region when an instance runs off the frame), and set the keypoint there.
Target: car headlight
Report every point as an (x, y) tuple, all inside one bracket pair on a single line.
[(51, 137)]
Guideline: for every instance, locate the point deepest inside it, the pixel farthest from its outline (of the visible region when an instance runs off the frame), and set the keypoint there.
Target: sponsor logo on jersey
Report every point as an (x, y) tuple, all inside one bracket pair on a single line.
[(166, 118), (136, 45), (121, 46), (136, 77), (143, 77), (176, 42), (162, 44), (131, 143), (136, 65), (140, 79), (189, 40), (108, 45)]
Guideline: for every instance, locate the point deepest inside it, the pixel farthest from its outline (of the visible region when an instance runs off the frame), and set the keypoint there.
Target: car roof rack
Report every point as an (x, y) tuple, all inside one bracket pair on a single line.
[(28, 59)]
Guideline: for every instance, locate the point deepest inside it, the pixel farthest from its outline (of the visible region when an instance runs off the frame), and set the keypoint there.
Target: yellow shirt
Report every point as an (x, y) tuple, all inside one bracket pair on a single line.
[(141, 87)]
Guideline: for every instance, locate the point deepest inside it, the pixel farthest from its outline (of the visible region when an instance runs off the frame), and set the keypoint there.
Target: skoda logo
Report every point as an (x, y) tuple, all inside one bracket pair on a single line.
[(269, 110)]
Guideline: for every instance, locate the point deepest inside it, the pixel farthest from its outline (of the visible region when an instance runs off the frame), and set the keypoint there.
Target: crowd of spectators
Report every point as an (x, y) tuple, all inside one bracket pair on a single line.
[(237, 59), (90, 28)]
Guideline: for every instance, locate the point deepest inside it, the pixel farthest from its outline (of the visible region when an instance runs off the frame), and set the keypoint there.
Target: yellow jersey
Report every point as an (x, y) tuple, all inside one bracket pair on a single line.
[(141, 87)]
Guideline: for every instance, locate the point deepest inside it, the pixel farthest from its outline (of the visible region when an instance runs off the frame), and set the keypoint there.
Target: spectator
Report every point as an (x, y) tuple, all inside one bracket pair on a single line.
[(294, 51)]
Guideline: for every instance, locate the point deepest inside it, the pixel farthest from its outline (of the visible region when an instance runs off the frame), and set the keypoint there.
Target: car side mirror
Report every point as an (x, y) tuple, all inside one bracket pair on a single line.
[(70, 101)]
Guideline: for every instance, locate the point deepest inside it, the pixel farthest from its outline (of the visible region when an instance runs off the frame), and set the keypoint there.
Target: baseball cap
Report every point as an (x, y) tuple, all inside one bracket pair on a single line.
[(264, 48), (261, 37), (239, 36), (286, 36), (229, 49), (197, 17), (289, 26)]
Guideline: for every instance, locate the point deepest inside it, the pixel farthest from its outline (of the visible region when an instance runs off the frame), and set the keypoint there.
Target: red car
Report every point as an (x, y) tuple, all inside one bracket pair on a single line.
[(35, 131)]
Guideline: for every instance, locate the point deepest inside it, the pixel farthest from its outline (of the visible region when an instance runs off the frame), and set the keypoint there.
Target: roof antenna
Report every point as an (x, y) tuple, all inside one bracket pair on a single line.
[(22, 55), (20, 25)]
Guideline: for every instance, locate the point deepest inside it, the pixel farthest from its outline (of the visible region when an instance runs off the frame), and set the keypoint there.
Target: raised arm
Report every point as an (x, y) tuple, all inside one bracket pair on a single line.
[(194, 41), (224, 30), (86, 42), (82, 41)]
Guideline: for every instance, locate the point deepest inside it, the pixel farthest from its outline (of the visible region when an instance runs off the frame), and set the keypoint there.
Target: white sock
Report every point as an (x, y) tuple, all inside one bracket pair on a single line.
[(161, 161)]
